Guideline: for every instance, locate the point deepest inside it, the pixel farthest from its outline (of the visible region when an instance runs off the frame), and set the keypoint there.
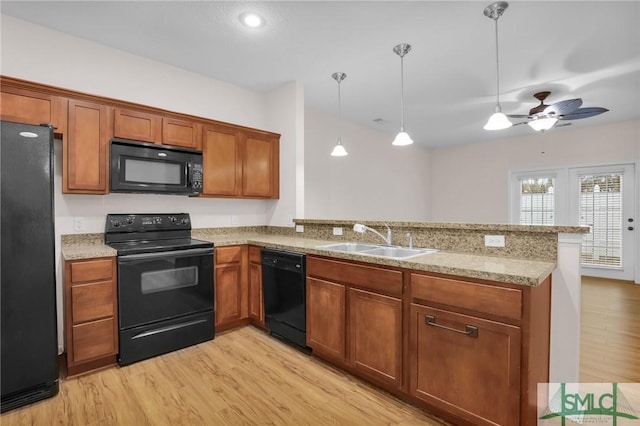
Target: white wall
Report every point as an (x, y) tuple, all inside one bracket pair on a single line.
[(375, 181), (470, 182), (285, 106)]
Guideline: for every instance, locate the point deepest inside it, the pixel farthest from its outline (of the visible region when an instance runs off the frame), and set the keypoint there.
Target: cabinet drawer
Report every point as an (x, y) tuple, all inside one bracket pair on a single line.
[(381, 280), (228, 254), (255, 254), (492, 300), (94, 340), (92, 270), (92, 301)]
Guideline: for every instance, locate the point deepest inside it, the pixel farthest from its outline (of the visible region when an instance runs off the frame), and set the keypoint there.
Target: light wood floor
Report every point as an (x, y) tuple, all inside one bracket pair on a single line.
[(243, 377), (610, 331)]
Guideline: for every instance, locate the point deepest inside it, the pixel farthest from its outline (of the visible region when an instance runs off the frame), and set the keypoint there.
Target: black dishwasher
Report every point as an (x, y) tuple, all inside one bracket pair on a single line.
[(283, 287)]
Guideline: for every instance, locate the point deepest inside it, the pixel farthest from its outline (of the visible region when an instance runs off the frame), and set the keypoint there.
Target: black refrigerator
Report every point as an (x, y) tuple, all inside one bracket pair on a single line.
[(29, 369)]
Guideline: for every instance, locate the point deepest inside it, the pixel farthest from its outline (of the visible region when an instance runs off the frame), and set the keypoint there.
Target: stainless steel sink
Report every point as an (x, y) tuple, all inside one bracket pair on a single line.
[(399, 252), (378, 250), (350, 247)]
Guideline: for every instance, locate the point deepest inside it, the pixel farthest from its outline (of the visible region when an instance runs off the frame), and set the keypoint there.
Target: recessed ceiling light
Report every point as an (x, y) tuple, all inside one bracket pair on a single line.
[(252, 20)]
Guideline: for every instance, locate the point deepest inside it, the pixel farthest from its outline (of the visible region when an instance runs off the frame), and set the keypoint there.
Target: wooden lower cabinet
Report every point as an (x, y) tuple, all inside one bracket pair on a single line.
[(230, 285), (467, 350), (375, 335), (351, 321), (465, 365), (91, 320), (326, 318), (256, 304)]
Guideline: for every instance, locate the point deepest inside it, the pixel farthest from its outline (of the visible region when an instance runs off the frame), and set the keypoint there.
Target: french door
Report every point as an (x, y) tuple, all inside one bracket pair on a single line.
[(602, 198)]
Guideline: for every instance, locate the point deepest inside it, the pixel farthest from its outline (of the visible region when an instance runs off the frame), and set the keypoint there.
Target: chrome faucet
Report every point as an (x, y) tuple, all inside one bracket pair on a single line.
[(358, 227), (410, 238)]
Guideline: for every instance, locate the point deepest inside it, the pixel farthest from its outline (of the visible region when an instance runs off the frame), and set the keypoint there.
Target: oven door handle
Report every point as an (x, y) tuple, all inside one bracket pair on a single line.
[(161, 254)]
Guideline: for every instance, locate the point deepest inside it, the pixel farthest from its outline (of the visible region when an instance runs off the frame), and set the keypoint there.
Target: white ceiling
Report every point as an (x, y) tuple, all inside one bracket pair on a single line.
[(586, 49)]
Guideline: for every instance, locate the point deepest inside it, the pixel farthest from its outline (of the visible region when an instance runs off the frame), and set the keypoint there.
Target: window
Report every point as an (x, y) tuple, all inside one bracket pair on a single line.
[(600, 208), (537, 201)]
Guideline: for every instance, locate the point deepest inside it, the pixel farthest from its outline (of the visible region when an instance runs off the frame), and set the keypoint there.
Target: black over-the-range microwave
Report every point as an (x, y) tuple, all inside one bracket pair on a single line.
[(138, 167)]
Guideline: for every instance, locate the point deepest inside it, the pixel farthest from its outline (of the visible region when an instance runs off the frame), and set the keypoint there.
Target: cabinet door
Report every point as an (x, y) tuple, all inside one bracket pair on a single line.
[(326, 318), (465, 365), (85, 149), (221, 162), (231, 287), (137, 125), (260, 173), (228, 293), (181, 133), (30, 107), (375, 335)]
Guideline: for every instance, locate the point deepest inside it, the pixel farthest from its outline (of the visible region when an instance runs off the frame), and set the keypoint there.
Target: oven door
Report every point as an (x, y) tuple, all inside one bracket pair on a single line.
[(161, 286)]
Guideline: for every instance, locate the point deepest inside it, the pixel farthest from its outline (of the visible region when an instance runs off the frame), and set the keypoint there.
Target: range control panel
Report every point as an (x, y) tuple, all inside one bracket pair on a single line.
[(147, 222)]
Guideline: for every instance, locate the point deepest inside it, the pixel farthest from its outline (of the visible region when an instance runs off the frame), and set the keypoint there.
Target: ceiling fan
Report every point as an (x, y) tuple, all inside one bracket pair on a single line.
[(543, 117)]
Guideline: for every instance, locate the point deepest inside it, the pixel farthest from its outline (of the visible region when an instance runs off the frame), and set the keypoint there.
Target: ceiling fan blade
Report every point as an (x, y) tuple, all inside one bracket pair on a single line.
[(518, 116), (582, 113), (563, 107), (522, 122)]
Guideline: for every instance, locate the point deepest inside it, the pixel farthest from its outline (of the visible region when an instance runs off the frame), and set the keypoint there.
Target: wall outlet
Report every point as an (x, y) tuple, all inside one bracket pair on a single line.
[(234, 219), (299, 228), (78, 223), (494, 240), (337, 230)]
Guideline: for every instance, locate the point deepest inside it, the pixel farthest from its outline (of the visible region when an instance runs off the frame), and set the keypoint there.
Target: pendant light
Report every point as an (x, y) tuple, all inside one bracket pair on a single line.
[(498, 120), (338, 150), (402, 138)]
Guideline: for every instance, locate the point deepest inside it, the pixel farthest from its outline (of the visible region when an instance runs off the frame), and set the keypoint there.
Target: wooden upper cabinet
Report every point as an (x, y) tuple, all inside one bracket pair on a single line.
[(187, 134), (238, 163), (260, 173), (221, 161), (85, 149), (137, 126), (31, 107), (146, 127)]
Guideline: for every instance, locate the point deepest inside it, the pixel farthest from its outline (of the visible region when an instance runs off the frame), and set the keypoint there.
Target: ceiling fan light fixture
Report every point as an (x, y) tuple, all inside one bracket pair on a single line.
[(542, 124)]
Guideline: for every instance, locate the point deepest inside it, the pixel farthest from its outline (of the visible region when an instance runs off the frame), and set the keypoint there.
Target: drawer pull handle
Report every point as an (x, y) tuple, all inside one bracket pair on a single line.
[(469, 330)]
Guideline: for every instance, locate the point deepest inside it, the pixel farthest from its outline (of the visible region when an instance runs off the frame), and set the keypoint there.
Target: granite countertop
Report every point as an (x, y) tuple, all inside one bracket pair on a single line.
[(493, 268)]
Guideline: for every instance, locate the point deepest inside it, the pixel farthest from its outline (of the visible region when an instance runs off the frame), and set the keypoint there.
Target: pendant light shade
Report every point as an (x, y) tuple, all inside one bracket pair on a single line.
[(338, 150), (498, 120), (403, 137)]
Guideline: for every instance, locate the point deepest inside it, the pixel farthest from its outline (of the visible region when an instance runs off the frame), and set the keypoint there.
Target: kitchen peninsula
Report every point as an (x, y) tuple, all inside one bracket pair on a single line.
[(502, 295)]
